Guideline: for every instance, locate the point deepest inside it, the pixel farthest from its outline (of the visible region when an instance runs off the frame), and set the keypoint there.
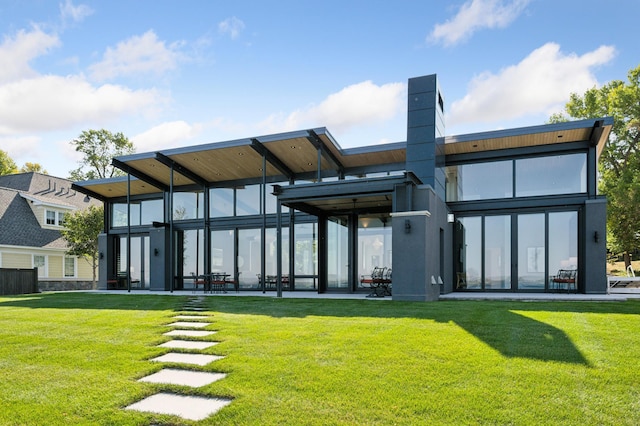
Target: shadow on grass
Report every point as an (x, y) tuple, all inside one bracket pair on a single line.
[(494, 322)]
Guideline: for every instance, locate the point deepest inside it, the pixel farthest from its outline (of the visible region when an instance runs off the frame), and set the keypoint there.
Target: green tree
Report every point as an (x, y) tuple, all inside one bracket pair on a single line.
[(98, 148), (620, 160), (33, 167), (7, 165), (81, 230)]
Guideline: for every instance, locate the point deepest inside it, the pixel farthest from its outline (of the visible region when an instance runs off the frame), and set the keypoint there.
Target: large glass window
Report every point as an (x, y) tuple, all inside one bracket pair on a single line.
[(374, 243), (151, 211), (531, 251), (338, 256), (306, 256), (563, 241), (221, 202), (469, 252), (249, 256), (552, 175), (222, 248), (497, 252), (188, 205), (479, 181), (248, 200)]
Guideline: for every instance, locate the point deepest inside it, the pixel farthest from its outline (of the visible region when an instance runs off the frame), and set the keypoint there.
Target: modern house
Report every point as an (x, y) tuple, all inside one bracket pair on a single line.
[(32, 211), (495, 211)]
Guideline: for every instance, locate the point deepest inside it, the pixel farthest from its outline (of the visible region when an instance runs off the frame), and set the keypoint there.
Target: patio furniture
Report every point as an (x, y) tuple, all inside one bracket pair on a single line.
[(564, 278), (379, 282)]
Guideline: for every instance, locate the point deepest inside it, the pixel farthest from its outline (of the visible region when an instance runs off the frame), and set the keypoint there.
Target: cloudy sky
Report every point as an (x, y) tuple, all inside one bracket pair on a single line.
[(169, 73)]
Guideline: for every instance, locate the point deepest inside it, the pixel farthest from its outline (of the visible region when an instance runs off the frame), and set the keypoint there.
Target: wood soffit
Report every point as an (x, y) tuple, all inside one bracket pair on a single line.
[(238, 160)]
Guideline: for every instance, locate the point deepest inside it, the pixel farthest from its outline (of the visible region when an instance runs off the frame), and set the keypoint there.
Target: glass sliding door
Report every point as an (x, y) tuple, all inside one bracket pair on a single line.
[(563, 241), (306, 256), (469, 253), (374, 243), (338, 253), (249, 257), (531, 251), (497, 252)]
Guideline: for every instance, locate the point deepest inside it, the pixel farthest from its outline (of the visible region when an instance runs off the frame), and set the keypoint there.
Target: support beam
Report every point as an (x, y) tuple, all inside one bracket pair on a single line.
[(140, 175), (177, 167), (326, 153), (272, 159)]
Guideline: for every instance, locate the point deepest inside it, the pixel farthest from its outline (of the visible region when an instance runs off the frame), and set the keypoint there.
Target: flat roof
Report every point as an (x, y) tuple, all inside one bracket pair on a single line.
[(295, 154)]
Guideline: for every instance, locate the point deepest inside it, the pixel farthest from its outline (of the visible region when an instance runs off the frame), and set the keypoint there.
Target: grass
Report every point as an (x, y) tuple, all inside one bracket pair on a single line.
[(74, 359)]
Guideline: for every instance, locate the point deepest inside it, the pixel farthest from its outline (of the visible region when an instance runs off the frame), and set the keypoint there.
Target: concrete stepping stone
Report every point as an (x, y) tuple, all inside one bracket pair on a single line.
[(190, 317), (187, 407), (189, 324), (195, 359), (194, 309), (187, 344), (194, 379), (189, 333)]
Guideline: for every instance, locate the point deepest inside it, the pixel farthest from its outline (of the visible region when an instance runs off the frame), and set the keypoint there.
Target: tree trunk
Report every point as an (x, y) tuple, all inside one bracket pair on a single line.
[(627, 260)]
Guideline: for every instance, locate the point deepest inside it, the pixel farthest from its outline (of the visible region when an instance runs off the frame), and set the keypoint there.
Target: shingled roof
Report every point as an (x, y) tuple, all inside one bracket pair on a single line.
[(18, 225)]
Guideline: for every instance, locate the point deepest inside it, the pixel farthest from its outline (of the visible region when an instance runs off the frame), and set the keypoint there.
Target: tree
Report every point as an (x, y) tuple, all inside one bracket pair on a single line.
[(99, 147), (7, 165), (33, 167), (81, 230), (620, 160)]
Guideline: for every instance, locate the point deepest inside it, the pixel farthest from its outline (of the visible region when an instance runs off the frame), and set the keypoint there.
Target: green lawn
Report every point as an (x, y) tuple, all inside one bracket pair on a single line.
[(74, 359)]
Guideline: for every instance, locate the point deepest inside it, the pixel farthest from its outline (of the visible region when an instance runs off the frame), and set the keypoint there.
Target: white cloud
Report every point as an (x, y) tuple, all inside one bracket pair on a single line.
[(166, 135), (475, 15), (16, 53), (355, 105), (21, 146), (52, 102), (75, 13), (143, 54), (231, 26), (538, 84)]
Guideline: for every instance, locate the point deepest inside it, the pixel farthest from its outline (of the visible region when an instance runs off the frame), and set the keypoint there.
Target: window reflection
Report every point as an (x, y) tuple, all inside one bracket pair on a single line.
[(479, 181), (188, 205), (221, 202), (553, 175), (248, 200)]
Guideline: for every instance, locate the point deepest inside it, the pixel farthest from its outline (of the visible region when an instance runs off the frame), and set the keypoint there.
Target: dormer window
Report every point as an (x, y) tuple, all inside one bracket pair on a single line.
[(54, 218)]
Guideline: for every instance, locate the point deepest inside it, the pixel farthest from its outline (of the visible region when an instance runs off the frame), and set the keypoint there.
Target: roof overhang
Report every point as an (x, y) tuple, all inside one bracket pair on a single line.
[(593, 131), (303, 154)]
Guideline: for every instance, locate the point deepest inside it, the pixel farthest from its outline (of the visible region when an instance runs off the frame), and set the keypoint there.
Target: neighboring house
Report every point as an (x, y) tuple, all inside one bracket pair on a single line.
[(32, 211), (495, 211)]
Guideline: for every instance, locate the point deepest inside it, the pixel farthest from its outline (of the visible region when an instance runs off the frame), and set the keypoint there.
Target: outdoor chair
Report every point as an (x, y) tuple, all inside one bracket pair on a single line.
[(379, 282), (199, 280), (565, 278)]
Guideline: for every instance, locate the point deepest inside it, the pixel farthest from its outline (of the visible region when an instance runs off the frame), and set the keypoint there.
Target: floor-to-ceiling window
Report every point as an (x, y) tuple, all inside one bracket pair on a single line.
[(338, 253), (249, 257), (531, 251), (306, 256), (374, 243), (542, 243), (497, 252)]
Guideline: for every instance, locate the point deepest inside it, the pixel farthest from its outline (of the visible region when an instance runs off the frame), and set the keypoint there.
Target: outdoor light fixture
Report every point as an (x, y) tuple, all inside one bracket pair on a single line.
[(156, 252), (451, 218), (101, 255), (407, 226), (596, 236)]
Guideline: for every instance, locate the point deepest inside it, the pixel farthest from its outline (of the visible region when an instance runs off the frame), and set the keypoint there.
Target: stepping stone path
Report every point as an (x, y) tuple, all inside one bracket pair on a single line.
[(185, 406)]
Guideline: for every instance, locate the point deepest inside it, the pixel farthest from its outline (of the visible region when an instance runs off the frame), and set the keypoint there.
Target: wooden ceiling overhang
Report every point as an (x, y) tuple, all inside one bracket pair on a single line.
[(308, 154), (594, 131), (304, 154)]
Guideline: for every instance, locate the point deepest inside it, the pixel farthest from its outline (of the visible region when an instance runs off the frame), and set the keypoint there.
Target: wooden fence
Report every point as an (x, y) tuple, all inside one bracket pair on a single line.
[(18, 281)]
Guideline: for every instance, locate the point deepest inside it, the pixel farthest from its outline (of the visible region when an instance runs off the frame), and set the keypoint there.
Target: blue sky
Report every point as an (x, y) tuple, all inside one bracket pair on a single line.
[(170, 74)]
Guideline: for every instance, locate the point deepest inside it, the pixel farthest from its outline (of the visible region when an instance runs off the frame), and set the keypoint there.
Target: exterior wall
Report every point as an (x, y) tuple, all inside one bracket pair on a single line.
[(594, 271), (56, 266), (22, 258), (16, 260)]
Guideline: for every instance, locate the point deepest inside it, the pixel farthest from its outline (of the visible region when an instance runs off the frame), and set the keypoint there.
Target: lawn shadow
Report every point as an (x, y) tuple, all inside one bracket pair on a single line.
[(495, 323)]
